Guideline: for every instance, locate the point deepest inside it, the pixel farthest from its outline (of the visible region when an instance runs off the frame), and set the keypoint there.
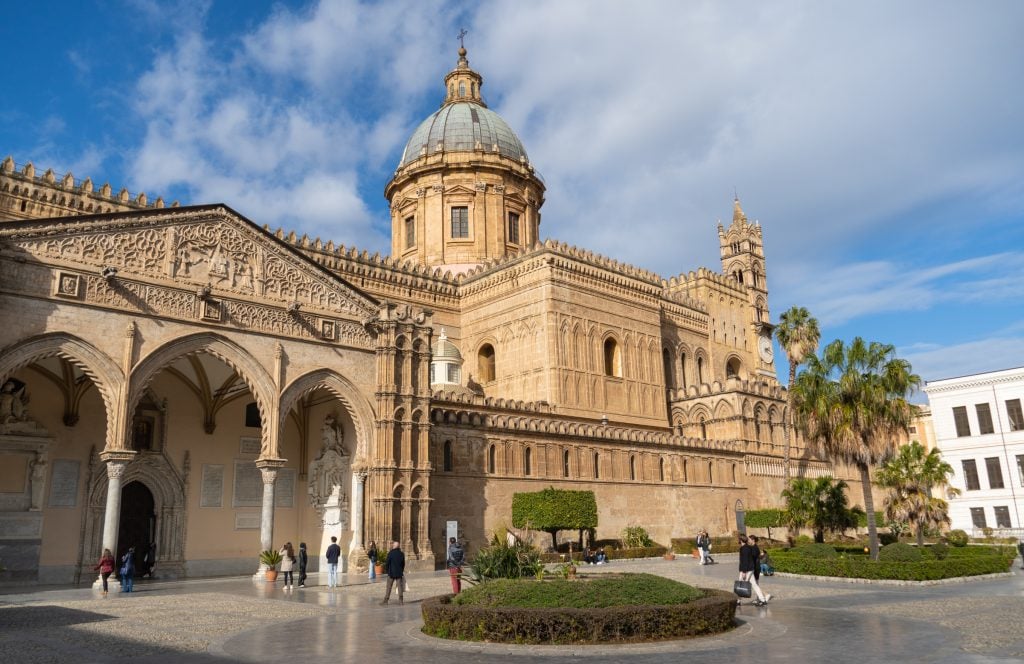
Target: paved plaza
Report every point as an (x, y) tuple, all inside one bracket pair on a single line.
[(237, 620)]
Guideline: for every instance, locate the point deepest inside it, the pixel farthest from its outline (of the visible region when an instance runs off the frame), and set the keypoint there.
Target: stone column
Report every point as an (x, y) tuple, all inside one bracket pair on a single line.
[(116, 462), (358, 492), (268, 469)]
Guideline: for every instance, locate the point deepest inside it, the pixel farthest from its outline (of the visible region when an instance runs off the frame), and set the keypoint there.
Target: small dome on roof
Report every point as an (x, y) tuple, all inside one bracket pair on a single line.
[(463, 126), (445, 349)]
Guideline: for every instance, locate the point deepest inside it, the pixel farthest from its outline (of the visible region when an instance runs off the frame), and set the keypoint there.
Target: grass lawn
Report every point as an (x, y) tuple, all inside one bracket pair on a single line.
[(599, 591)]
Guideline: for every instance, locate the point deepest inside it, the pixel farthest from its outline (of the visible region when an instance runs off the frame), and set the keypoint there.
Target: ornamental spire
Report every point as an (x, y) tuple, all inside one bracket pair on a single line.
[(462, 83)]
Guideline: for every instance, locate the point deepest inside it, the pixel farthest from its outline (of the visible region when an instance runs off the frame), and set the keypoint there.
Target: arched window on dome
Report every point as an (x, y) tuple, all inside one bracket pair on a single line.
[(462, 89), (486, 363)]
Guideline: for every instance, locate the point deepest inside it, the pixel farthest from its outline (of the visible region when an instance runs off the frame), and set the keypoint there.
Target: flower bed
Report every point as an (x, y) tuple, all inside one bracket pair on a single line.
[(617, 609)]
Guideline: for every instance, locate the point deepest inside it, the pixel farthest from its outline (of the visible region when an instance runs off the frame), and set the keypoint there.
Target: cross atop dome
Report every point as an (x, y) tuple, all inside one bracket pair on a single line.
[(462, 83)]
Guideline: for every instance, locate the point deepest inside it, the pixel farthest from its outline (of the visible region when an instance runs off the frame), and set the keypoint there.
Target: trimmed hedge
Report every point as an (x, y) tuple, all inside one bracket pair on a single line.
[(718, 545), (553, 509), (818, 551), (655, 551), (711, 614), (768, 518), (860, 567), (899, 552)]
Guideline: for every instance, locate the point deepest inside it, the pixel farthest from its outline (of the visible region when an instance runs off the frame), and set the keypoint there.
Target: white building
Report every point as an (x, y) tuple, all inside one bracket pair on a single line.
[(979, 426)]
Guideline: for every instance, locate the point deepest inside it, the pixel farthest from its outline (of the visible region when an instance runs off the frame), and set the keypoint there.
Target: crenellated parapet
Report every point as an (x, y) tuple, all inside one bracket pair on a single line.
[(26, 194), (756, 387)]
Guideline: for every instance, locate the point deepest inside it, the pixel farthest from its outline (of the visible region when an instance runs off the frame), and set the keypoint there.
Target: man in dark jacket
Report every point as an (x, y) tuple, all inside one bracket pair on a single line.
[(333, 553), (303, 562), (394, 566)]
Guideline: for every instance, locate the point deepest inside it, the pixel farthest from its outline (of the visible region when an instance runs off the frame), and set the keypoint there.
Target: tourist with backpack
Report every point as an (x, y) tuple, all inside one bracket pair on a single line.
[(456, 556)]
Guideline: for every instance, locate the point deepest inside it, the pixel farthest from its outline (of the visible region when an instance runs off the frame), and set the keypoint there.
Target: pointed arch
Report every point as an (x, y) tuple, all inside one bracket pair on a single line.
[(358, 406)]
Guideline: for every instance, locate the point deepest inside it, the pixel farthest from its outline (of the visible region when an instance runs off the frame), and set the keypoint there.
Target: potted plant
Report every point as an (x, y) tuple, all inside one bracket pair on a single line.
[(270, 558), (670, 555), (378, 565)]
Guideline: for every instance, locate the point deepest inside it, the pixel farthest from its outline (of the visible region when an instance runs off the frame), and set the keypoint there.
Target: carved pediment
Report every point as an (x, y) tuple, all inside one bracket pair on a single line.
[(211, 250)]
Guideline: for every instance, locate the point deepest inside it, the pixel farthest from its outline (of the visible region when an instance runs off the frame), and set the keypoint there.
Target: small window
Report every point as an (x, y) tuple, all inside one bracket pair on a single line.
[(711, 472), (612, 358), (513, 228), (252, 416), (565, 463), (1015, 415), (485, 363), (686, 470), (971, 482), (661, 470), (460, 222), (984, 418), (682, 370), (700, 370), (410, 232), (1002, 516), (492, 456), (528, 462), (454, 374), (462, 89), (963, 426), (704, 429), (732, 368), (473, 88), (632, 467), (978, 517), (433, 376), (597, 465), (995, 473), (447, 456)]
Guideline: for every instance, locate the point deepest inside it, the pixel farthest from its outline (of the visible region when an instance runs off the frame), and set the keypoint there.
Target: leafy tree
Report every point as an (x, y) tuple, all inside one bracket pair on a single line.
[(554, 509), (851, 404), (819, 503), (910, 477), (767, 518), (798, 335)]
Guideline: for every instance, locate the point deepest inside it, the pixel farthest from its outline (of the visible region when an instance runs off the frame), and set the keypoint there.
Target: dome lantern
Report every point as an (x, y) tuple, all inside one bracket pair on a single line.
[(462, 83)]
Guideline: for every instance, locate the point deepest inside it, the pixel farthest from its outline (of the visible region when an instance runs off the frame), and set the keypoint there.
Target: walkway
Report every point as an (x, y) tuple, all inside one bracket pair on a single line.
[(236, 620)]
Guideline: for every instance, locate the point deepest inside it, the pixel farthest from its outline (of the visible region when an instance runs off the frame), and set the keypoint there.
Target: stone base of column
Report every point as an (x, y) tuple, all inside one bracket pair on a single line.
[(261, 573)]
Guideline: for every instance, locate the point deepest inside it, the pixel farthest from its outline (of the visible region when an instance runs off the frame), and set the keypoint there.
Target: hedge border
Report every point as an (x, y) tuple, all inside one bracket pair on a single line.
[(712, 614), (861, 568)]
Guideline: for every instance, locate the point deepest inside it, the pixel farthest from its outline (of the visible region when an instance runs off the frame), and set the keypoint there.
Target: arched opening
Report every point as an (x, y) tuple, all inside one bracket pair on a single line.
[(597, 466), (612, 358), (447, 460), (462, 89), (700, 370), (565, 463), (711, 472), (661, 470), (732, 368), (703, 429), (528, 461), (632, 467), (492, 457), (734, 473), (682, 369), (137, 524), (686, 471), (485, 363), (666, 361)]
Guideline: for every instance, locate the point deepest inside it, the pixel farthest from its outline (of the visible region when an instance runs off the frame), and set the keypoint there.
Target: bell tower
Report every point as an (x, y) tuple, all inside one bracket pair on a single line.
[(742, 253)]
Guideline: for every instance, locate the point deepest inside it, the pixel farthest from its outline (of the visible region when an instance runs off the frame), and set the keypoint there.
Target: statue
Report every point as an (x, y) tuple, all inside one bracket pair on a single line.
[(327, 473), (38, 481), (332, 436), (13, 404)]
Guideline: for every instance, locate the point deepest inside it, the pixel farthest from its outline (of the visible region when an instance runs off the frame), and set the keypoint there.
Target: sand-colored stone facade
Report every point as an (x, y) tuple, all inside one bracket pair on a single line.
[(187, 377)]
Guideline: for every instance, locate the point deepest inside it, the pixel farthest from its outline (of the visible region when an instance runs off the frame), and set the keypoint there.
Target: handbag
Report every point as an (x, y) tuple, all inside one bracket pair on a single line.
[(742, 588)]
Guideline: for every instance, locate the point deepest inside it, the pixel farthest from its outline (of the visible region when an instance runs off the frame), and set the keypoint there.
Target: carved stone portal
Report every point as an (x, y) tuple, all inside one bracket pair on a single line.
[(327, 475)]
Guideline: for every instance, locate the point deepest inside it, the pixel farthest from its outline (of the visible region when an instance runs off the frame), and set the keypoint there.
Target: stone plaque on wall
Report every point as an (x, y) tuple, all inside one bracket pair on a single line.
[(249, 445), (284, 488), (248, 485), (21, 525), (64, 483), (247, 521), (212, 490)]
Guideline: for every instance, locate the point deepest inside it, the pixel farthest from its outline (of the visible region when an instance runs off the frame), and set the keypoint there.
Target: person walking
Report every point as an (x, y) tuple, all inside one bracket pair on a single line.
[(1020, 549), (754, 542), (371, 553), (748, 563), (303, 561), (105, 567), (394, 566), (456, 556), (703, 544), (287, 565), (333, 553), (128, 570)]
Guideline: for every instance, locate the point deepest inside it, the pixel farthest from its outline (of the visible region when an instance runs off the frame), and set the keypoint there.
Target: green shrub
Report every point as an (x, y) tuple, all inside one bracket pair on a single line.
[(816, 551), (501, 561), (602, 590), (862, 517), (769, 518), (957, 538), (886, 539), (802, 540), (860, 567), (899, 552), (940, 550), (554, 509), (635, 537)]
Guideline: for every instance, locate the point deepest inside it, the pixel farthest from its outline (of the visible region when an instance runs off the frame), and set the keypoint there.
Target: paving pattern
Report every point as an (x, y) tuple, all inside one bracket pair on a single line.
[(238, 620)]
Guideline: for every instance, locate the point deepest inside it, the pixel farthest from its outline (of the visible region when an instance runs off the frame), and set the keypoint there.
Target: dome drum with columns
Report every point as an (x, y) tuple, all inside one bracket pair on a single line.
[(238, 388)]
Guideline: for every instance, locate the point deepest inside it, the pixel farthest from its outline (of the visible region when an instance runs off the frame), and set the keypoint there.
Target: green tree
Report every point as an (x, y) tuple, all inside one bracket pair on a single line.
[(554, 509), (910, 476), (798, 335), (820, 504), (851, 404)]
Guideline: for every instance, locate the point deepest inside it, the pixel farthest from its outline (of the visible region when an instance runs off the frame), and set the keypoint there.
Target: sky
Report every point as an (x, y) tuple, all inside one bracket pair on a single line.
[(879, 144)]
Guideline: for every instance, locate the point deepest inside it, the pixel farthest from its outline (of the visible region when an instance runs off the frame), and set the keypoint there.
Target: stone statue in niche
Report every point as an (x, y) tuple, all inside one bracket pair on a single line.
[(13, 403), (327, 473), (37, 477)]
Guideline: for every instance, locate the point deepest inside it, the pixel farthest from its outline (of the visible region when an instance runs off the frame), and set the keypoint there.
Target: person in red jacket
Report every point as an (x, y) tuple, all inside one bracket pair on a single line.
[(105, 567)]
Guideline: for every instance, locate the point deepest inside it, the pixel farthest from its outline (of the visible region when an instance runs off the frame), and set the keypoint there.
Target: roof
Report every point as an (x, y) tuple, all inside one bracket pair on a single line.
[(463, 126)]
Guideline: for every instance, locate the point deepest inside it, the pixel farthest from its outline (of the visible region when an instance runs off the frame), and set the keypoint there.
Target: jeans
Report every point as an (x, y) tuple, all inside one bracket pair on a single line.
[(373, 571), (332, 575), (126, 582)]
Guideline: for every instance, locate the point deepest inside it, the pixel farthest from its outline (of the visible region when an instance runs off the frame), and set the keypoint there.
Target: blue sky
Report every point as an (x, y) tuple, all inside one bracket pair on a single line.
[(880, 144)]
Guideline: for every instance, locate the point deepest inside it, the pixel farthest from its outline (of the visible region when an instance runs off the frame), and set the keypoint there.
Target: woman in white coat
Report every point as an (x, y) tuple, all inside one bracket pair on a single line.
[(287, 564)]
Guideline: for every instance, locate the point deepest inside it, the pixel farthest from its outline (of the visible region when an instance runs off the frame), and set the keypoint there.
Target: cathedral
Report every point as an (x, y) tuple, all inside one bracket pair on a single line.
[(185, 381)]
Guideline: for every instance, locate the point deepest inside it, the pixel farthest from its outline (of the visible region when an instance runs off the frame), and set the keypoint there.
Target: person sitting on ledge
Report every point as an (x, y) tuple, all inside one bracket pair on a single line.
[(589, 557), (600, 558)]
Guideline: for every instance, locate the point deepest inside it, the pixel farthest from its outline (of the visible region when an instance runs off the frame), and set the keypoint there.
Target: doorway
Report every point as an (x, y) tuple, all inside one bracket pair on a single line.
[(138, 524)]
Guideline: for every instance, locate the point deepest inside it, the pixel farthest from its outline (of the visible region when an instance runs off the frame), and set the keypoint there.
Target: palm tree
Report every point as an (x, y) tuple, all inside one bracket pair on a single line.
[(910, 477), (819, 503), (851, 404), (798, 335)]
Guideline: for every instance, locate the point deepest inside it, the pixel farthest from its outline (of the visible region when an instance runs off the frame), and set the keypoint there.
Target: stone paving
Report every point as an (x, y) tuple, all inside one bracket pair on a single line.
[(238, 620)]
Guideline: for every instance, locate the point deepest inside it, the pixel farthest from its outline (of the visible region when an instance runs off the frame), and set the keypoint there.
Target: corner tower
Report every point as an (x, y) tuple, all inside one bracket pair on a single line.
[(464, 191)]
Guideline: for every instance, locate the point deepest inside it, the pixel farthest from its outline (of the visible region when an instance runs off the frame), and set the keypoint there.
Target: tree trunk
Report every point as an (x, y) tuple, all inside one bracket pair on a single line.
[(869, 507), (920, 535), (787, 428), (554, 540)]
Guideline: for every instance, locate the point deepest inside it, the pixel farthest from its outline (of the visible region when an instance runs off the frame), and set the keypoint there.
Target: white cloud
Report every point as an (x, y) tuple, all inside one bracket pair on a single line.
[(935, 362)]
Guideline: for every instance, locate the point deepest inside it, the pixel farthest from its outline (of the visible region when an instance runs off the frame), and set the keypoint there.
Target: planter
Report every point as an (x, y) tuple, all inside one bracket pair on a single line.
[(669, 555), (378, 569), (271, 575)]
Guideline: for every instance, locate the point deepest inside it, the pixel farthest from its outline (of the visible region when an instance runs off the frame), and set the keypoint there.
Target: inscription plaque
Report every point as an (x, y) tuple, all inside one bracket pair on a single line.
[(248, 485), (249, 445), (284, 488), (247, 521), (212, 490), (64, 483)]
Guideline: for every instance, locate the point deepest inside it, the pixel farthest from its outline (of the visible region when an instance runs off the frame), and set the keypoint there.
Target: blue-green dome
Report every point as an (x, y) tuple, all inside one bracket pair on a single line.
[(463, 126)]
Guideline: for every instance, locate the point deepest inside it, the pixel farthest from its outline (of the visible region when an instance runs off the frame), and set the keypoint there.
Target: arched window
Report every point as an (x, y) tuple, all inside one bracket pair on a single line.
[(703, 429), (612, 358), (632, 467), (666, 360), (734, 473), (661, 469), (565, 463), (528, 461), (492, 455), (686, 470), (485, 363), (448, 456), (700, 370), (682, 369), (732, 368), (462, 89), (711, 472), (597, 466)]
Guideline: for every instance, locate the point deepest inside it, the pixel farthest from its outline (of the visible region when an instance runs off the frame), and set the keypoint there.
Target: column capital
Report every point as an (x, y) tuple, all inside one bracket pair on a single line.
[(117, 457), (270, 463)]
